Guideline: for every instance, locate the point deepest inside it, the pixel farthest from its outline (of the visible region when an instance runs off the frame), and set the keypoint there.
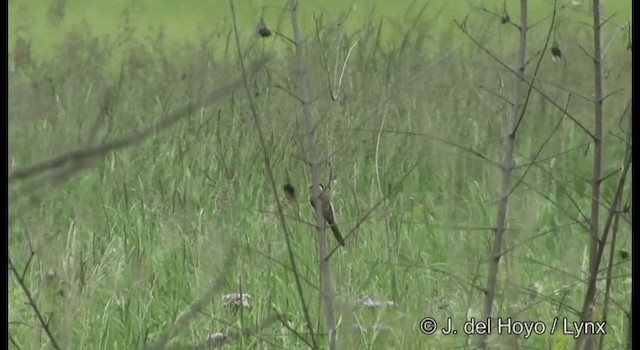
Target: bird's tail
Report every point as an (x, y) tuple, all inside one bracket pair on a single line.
[(337, 235)]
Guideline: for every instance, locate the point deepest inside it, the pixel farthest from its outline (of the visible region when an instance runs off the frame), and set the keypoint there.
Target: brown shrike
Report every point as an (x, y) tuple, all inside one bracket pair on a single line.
[(327, 211)]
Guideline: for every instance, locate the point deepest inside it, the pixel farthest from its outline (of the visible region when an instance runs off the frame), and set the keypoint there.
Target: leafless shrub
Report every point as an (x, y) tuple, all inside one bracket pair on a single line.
[(62, 167), (598, 233), (269, 171)]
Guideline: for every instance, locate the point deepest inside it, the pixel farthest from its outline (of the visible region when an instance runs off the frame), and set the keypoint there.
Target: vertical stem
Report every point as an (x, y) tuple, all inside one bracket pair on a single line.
[(508, 147), (326, 289), (594, 259)]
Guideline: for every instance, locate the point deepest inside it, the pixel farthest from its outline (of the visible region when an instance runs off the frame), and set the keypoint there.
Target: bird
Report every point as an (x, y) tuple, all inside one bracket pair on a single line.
[(327, 211)]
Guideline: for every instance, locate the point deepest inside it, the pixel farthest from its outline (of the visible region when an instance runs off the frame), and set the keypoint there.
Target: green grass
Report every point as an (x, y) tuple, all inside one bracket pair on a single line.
[(126, 246), (197, 18)]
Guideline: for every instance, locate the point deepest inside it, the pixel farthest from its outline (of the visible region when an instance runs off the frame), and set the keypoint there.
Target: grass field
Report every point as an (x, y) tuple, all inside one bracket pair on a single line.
[(123, 248)]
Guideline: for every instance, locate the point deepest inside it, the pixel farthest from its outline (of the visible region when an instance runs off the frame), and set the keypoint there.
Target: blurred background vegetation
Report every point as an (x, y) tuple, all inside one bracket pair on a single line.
[(124, 247)]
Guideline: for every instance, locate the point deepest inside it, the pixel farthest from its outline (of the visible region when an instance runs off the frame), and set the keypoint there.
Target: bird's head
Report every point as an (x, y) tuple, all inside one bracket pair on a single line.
[(321, 187)]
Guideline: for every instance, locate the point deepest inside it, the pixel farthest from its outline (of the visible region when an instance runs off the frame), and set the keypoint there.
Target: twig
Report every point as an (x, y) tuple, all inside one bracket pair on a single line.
[(326, 286), (32, 303), (195, 307), (81, 155), (269, 171)]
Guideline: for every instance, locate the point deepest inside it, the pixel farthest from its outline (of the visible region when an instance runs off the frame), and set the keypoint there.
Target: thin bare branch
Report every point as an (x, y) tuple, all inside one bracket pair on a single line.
[(32, 303), (535, 88), (506, 165), (544, 143), (81, 155), (269, 171), (326, 283), (197, 306), (596, 246)]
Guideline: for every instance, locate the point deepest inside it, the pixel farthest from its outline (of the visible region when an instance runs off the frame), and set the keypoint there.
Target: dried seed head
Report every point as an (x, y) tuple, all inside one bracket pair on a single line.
[(237, 300), (623, 254), (366, 301), (218, 339), (505, 15), (262, 29), (289, 191), (556, 52)]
